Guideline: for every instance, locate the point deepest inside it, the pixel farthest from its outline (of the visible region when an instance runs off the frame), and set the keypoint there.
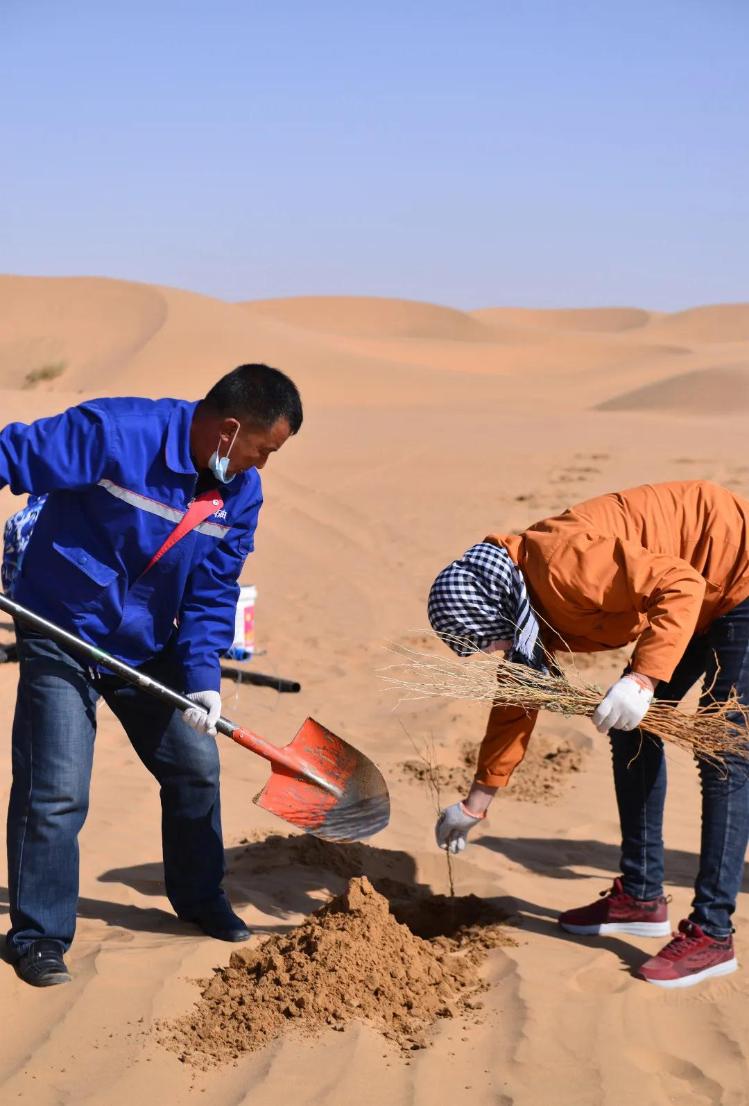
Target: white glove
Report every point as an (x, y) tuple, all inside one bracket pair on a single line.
[(624, 706), (206, 713), (453, 826)]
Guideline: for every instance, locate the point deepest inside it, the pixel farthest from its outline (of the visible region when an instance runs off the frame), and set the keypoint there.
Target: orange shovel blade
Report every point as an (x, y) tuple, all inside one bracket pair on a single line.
[(327, 787)]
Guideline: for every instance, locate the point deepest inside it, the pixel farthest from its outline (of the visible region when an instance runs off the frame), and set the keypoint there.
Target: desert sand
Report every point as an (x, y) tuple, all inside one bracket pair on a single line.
[(426, 427)]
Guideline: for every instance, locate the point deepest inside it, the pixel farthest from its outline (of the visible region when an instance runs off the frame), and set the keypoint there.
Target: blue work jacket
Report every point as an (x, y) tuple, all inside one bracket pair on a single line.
[(119, 477)]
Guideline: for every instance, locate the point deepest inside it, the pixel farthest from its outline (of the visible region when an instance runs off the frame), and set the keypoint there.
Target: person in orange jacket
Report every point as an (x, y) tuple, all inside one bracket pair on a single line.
[(663, 566)]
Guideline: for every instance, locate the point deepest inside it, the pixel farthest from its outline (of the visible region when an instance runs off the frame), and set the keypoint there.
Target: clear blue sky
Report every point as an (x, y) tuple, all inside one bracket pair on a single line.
[(476, 152)]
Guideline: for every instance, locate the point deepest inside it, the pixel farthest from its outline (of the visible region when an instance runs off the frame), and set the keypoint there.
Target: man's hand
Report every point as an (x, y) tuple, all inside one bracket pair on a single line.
[(206, 712), (453, 826), (625, 704)]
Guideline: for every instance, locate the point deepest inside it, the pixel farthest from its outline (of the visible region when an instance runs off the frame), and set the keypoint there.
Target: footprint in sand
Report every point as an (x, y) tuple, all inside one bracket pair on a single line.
[(567, 477), (602, 975), (693, 460)]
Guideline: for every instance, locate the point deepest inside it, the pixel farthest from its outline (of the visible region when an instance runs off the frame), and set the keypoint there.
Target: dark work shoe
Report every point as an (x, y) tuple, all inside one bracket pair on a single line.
[(217, 919), (42, 964)]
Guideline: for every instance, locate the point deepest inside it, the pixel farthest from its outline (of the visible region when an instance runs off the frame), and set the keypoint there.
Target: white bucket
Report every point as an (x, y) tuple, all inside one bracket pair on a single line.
[(244, 624)]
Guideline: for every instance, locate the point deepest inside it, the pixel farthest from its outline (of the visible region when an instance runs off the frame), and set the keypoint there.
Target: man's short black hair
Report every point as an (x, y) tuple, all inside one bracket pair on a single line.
[(258, 394)]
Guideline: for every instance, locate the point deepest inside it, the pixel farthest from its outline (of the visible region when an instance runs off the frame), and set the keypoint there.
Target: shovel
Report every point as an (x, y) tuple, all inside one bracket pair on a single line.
[(318, 782)]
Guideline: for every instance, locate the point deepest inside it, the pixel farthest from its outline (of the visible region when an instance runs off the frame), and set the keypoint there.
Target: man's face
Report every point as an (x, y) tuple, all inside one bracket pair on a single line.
[(253, 446)]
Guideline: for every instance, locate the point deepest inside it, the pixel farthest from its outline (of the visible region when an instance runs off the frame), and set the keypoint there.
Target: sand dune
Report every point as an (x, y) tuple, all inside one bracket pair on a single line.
[(722, 322), (112, 336), (604, 319), (426, 429), (723, 390), (372, 317), (74, 324)]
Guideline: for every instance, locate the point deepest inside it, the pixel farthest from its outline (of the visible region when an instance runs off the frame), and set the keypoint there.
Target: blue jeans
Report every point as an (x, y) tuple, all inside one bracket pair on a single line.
[(53, 748), (721, 657)]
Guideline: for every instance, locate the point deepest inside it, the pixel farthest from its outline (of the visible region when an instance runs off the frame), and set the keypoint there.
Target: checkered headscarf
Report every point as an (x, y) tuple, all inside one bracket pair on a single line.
[(480, 599)]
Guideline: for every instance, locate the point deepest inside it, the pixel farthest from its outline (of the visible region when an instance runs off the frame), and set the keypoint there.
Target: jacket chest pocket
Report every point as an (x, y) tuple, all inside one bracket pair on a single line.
[(80, 579)]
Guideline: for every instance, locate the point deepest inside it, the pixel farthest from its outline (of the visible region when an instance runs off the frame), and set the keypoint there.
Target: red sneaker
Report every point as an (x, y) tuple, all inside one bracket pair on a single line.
[(690, 957), (617, 912)]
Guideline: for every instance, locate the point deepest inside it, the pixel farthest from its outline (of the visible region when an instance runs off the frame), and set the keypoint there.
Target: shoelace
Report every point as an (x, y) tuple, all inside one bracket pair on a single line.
[(615, 896), (679, 943)]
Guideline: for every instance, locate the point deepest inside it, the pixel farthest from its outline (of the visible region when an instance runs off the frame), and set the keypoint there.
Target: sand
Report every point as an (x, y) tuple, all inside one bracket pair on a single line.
[(426, 428), (548, 767), (352, 961)]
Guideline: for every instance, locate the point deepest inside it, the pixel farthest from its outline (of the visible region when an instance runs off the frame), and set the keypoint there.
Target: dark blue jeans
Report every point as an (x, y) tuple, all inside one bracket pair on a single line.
[(721, 658), (53, 748)]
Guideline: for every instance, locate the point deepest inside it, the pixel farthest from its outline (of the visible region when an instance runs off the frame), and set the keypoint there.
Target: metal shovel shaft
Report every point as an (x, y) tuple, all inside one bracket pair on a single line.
[(168, 695), (319, 782), (99, 656)]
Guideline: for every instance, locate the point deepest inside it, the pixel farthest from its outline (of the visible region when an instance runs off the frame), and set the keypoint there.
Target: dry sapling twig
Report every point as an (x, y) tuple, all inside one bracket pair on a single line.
[(714, 732), (427, 757)]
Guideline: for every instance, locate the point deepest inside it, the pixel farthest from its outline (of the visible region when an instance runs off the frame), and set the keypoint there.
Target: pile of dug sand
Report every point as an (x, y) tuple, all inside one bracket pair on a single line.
[(350, 961)]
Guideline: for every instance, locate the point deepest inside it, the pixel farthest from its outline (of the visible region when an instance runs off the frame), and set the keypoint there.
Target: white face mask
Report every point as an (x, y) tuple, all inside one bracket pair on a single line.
[(219, 465)]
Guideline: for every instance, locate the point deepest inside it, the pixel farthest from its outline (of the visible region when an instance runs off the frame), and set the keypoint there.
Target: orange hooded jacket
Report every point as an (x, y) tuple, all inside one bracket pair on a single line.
[(653, 565)]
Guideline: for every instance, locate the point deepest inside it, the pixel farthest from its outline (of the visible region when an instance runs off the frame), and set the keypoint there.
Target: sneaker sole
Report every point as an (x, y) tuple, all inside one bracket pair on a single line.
[(54, 981), (634, 929), (48, 980), (696, 977)]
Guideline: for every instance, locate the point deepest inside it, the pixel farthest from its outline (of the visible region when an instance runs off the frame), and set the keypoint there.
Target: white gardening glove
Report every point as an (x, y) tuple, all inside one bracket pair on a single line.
[(624, 706), (206, 712), (453, 826)]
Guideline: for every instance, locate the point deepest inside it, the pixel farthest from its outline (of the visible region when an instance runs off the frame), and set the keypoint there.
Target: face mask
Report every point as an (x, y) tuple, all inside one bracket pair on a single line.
[(219, 465)]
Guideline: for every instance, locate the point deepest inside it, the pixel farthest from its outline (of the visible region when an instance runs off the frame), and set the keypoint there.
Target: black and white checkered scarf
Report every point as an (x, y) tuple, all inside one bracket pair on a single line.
[(481, 598)]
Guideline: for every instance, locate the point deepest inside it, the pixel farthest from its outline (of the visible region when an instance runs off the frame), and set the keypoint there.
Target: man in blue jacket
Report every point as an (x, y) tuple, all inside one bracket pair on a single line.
[(119, 475)]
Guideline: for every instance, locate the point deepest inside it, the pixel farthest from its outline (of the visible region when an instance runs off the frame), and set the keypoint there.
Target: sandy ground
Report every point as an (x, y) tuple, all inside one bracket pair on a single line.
[(426, 428)]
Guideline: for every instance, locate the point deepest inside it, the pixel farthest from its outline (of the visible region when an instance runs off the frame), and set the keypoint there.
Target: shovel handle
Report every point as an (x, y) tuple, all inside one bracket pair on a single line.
[(249, 740), (131, 675), (289, 761)]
